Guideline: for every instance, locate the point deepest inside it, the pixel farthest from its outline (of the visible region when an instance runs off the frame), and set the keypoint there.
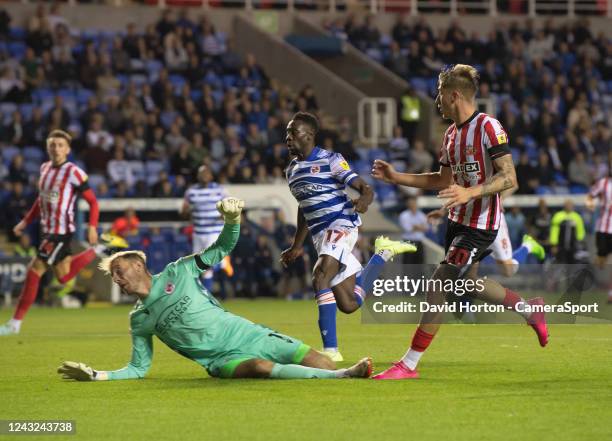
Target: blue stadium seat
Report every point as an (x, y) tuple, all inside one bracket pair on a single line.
[(152, 169), (229, 81), (42, 93), (9, 152), (7, 110), (196, 95), (138, 170), (167, 118), (33, 154), (32, 168), (83, 95), (17, 33), (578, 189), (157, 253), (17, 49), (138, 79), (181, 246), (26, 110), (95, 180), (177, 81)]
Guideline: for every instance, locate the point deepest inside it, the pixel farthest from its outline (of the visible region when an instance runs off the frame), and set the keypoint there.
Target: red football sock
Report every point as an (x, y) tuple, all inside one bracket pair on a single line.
[(511, 299), (421, 340), (28, 294), (79, 262)]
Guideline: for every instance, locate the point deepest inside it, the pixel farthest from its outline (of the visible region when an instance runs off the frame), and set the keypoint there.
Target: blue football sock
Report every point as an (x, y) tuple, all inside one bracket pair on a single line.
[(359, 291), (327, 317), (488, 260), (371, 272), (521, 254)]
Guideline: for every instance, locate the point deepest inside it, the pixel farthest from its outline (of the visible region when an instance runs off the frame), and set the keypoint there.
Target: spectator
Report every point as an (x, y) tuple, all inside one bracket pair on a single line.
[(567, 234), (182, 163), (420, 159), (410, 114), (541, 223), (17, 171), (14, 132), (126, 225), (414, 225), (398, 146), (16, 208), (579, 172), (397, 61), (176, 56), (516, 225), (118, 169), (98, 137), (526, 175)]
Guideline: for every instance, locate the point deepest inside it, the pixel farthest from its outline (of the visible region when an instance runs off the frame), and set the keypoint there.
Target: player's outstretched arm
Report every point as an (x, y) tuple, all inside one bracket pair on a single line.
[(384, 171), (142, 353), (231, 210)]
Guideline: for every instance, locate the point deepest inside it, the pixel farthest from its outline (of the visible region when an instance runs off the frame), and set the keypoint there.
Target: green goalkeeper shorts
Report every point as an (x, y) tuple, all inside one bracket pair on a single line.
[(247, 341)]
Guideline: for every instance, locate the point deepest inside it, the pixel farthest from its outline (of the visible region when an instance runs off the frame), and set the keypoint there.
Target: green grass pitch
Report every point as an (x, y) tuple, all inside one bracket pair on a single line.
[(477, 382)]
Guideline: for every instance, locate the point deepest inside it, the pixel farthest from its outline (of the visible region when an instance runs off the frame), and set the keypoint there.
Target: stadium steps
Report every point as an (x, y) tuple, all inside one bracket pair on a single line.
[(365, 74), (295, 69)]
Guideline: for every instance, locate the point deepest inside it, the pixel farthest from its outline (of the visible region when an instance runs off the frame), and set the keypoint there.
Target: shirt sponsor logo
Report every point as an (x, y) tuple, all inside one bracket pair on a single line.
[(306, 189), (469, 171), (175, 313), (52, 195)]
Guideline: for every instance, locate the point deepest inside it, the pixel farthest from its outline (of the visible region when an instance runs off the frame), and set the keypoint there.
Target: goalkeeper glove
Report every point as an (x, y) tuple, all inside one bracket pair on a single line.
[(71, 370), (230, 209)]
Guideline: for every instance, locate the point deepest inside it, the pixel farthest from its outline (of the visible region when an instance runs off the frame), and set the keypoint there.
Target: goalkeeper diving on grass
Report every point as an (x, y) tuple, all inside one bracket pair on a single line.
[(173, 306)]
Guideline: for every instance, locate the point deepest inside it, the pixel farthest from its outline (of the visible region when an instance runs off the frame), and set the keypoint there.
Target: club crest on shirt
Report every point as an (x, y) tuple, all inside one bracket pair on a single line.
[(469, 150), (315, 169), (169, 289)]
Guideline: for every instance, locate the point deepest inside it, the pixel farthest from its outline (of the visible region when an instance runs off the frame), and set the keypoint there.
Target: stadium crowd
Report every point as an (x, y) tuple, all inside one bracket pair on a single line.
[(551, 87), (146, 107)]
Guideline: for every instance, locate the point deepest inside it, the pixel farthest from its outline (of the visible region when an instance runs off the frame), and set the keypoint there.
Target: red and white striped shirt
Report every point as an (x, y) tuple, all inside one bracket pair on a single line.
[(469, 149), (603, 189), (58, 190)]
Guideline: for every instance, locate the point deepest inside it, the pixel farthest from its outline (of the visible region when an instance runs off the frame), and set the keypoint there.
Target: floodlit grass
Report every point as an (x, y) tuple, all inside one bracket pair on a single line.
[(478, 382)]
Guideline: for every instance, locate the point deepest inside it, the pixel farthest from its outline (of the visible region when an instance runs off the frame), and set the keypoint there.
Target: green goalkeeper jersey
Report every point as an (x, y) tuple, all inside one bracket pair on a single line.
[(180, 312)]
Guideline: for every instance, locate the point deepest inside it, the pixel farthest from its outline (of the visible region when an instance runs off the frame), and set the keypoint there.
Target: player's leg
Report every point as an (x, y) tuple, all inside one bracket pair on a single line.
[(258, 368), (495, 292), (603, 244), (461, 243), (326, 302), (36, 269), (350, 289)]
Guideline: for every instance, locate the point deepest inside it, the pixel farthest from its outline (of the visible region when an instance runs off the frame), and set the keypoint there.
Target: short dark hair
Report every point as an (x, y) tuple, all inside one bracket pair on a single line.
[(60, 134), (308, 119)]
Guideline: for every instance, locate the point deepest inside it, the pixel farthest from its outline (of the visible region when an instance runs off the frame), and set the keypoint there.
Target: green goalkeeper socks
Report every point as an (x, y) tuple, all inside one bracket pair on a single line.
[(294, 372)]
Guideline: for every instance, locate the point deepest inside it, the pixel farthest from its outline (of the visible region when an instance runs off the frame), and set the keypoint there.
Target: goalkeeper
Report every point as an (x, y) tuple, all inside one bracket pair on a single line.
[(174, 307)]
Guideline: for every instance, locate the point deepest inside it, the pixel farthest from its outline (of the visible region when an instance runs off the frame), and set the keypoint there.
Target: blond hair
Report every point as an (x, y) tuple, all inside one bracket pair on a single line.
[(60, 134), (105, 264), (461, 77)]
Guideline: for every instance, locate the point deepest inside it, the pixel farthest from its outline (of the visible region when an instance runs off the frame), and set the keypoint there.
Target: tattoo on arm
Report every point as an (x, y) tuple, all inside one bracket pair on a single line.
[(503, 179)]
